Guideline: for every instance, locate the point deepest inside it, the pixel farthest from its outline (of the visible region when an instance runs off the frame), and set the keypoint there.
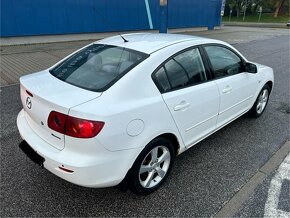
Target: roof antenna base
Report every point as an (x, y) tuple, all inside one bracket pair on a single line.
[(125, 40)]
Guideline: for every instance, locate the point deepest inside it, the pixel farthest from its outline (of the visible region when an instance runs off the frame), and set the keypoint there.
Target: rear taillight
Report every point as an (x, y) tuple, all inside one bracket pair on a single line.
[(81, 128), (73, 126), (29, 93), (56, 121)]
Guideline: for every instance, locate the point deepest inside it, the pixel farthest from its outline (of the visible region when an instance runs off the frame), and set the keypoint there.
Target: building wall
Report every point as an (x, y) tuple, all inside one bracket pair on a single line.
[(45, 17)]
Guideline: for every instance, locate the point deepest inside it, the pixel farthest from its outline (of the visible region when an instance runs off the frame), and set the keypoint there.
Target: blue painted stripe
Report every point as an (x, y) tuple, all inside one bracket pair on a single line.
[(149, 14)]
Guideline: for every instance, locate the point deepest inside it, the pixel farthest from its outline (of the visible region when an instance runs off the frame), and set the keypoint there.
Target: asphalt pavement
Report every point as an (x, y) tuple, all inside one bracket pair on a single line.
[(204, 178), (271, 198)]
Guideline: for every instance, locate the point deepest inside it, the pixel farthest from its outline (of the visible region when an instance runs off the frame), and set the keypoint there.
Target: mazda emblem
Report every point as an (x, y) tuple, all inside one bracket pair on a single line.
[(28, 103)]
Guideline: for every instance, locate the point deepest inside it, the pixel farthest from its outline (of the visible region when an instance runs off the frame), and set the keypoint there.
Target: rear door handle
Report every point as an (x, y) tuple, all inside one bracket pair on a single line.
[(227, 89), (183, 105)]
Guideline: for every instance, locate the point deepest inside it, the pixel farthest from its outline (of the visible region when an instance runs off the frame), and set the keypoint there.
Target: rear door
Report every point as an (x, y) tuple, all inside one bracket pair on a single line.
[(192, 100), (236, 86)]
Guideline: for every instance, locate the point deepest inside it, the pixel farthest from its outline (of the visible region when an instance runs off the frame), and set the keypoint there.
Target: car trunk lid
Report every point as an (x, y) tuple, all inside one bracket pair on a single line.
[(42, 93)]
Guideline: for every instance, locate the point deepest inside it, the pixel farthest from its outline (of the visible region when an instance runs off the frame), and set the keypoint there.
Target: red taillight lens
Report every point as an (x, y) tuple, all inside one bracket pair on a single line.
[(81, 128), (29, 93), (73, 126), (56, 121)]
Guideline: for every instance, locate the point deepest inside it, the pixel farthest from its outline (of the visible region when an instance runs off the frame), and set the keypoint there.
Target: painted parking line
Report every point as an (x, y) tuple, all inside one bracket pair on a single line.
[(235, 203), (274, 192)]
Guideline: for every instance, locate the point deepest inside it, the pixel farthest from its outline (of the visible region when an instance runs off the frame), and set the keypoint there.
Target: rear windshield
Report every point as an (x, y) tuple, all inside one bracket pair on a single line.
[(97, 66)]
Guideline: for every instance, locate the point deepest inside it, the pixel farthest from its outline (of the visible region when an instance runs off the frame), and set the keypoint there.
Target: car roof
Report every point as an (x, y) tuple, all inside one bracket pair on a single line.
[(151, 42)]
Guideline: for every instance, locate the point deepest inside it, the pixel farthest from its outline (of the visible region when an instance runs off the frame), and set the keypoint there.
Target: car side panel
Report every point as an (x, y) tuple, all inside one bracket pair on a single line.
[(264, 75), (199, 117), (237, 93), (133, 111)]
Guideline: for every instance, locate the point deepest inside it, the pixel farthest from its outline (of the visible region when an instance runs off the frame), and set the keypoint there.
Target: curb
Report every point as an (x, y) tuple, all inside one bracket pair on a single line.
[(260, 25)]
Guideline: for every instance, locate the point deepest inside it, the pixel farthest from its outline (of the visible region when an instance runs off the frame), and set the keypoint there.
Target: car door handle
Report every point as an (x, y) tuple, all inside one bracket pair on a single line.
[(227, 89), (183, 105)]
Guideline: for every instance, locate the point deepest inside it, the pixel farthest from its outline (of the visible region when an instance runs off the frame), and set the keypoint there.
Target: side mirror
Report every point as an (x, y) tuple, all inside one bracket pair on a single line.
[(251, 68)]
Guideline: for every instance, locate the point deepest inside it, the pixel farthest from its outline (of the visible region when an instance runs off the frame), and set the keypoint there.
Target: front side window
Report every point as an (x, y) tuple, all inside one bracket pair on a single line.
[(183, 70), (97, 66), (224, 62)]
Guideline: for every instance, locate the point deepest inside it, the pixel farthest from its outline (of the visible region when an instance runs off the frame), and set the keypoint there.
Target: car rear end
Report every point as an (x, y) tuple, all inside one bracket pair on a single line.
[(66, 145)]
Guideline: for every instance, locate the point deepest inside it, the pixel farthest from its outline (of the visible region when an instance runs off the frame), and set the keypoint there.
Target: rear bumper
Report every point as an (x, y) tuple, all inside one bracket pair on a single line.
[(99, 168)]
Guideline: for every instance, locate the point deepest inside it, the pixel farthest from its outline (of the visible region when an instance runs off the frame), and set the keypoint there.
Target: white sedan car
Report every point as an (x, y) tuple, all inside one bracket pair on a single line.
[(119, 111)]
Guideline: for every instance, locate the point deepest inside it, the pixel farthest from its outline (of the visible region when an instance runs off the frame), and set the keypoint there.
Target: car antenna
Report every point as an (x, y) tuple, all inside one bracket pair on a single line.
[(110, 24), (125, 40)]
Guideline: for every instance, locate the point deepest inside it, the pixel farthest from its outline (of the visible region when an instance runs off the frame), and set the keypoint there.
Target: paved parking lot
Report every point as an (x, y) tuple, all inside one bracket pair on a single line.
[(203, 180), (271, 197), (23, 59)]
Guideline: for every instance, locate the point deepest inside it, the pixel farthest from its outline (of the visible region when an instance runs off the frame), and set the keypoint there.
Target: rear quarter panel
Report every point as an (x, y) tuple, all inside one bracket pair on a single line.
[(133, 97)]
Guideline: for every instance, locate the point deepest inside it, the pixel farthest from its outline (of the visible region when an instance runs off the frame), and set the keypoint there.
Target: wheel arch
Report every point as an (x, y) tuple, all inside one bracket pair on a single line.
[(173, 139), (124, 184), (270, 84)]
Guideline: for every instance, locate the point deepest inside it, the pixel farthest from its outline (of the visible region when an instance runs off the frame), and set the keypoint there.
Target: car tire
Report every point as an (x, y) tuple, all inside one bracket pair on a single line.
[(261, 102), (152, 166)]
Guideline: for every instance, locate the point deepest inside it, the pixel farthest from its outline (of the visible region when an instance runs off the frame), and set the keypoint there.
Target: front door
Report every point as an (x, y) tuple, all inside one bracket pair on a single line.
[(236, 87)]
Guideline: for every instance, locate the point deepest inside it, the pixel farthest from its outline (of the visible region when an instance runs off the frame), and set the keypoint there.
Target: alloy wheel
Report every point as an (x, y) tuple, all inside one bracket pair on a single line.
[(262, 101), (154, 167)]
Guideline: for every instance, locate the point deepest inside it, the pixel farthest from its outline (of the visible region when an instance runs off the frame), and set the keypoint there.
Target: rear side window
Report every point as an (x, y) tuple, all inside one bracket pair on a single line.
[(162, 79), (97, 66), (224, 62), (182, 70), (176, 74)]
